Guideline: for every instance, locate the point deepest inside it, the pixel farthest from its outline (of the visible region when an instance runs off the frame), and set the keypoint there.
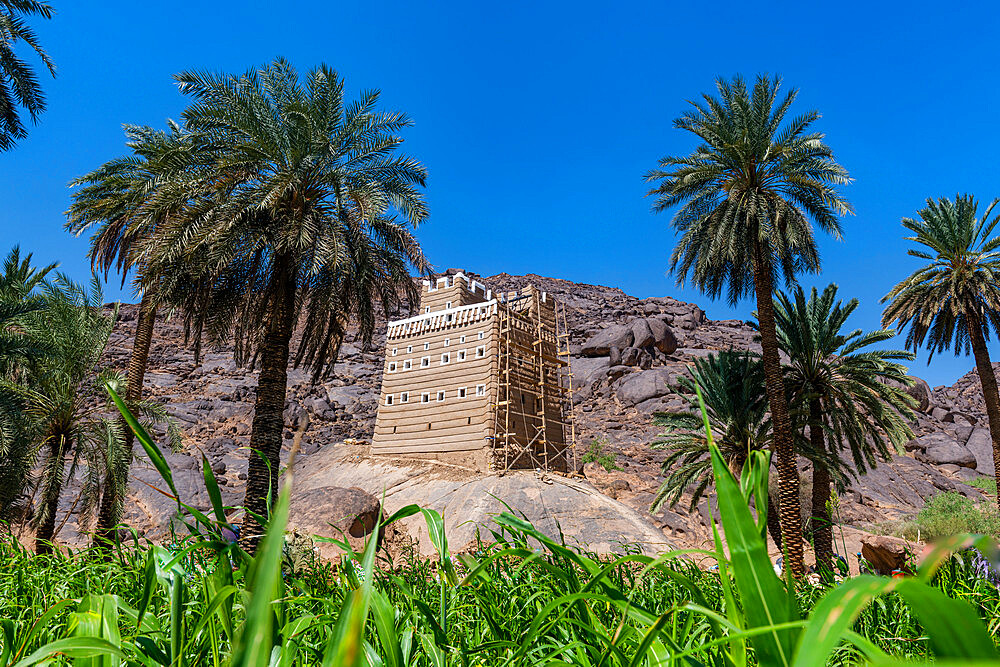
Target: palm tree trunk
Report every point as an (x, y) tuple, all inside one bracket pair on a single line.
[(822, 527), (268, 420), (988, 380), (111, 501), (58, 446), (788, 475), (773, 523)]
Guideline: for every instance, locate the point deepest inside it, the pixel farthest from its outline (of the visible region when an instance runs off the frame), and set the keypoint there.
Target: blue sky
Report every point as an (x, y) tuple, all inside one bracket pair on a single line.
[(538, 120)]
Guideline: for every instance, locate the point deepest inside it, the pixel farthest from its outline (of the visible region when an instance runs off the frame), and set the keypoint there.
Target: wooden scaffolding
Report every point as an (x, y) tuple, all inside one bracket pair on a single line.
[(534, 420)]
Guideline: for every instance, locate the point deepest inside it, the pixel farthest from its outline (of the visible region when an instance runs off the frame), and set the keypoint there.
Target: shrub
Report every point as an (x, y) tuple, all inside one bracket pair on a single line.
[(597, 453), (951, 513)]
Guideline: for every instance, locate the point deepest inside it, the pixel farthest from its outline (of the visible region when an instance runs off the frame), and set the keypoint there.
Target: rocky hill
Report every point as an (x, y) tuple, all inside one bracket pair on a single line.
[(627, 353)]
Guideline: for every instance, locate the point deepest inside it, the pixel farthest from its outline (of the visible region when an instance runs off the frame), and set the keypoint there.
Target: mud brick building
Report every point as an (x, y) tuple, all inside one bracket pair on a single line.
[(479, 380)]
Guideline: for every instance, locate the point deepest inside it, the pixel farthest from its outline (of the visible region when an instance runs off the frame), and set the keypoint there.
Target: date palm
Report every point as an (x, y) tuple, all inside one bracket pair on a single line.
[(75, 332), (853, 394), (747, 199), (732, 387), (18, 84), (20, 346), (953, 302), (306, 220), (120, 199)]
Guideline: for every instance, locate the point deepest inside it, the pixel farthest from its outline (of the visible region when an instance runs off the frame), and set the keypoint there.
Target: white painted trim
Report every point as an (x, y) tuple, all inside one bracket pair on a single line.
[(456, 310)]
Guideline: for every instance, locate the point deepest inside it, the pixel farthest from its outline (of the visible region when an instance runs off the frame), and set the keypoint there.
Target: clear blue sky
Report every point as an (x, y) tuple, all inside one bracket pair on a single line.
[(538, 120)]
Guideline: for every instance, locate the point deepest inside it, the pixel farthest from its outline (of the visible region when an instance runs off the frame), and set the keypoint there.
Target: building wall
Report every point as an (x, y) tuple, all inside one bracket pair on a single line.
[(456, 290), (421, 410), (424, 423)]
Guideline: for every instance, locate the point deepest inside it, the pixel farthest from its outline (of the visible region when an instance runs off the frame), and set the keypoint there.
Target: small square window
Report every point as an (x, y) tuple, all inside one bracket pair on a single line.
[(446, 358), (427, 309), (480, 390), (392, 366), (407, 365), (461, 392), (482, 335), (409, 348), (447, 342), (404, 397), (461, 355), (425, 397), (450, 317), (394, 352), (427, 346), (425, 362), (440, 396), (480, 352), (388, 399), (447, 304), (462, 339)]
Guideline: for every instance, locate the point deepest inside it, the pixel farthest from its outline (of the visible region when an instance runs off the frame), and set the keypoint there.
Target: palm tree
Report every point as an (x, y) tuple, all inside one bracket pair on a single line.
[(852, 392), (746, 197), (20, 346), (954, 300), (120, 199), (18, 84), (732, 387), (75, 331), (305, 220)]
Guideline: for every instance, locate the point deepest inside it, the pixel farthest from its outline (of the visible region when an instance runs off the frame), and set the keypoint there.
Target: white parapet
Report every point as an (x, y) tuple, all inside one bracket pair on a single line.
[(438, 319)]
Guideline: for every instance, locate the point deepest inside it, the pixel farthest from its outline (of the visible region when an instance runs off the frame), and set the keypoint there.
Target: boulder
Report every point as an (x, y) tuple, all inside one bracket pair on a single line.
[(925, 441), (589, 369), (884, 554), (630, 356), (980, 444), (614, 356), (942, 449), (616, 372), (605, 480), (333, 511), (599, 345), (645, 385), (642, 335), (921, 393), (961, 419), (663, 338), (939, 413)]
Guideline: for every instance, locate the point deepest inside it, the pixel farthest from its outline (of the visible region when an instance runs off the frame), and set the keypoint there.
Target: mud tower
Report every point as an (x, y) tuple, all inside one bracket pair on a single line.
[(479, 380)]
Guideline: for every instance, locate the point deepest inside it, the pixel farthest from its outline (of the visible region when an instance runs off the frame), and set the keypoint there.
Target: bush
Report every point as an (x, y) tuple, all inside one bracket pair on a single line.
[(951, 513), (596, 453)]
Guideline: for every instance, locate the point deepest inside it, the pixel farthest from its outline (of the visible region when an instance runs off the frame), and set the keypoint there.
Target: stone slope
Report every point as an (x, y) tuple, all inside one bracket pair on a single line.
[(627, 355)]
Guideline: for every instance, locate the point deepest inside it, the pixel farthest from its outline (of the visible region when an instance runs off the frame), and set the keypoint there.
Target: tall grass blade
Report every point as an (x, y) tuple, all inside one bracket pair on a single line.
[(764, 597)]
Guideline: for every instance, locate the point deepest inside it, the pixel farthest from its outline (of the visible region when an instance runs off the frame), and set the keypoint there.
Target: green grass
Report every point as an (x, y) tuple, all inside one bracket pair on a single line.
[(520, 607), (986, 484)]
